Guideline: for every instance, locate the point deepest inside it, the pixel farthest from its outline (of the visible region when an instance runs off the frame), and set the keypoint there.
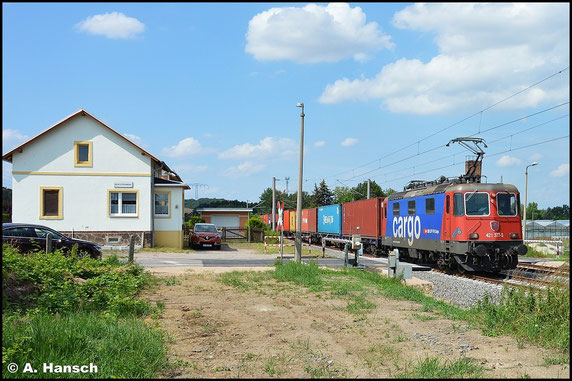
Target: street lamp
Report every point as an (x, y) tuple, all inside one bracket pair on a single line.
[(525, 195), (298, 243)]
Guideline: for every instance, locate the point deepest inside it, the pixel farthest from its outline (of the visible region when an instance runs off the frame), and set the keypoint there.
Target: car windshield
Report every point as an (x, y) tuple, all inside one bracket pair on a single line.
[(506, 204), (477, 204), (205, 228)]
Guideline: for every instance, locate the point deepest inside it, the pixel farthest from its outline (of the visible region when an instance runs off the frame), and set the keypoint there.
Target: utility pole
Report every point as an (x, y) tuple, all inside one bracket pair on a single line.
[(274, 179), (287, 178), (298, 243), (368, 186)]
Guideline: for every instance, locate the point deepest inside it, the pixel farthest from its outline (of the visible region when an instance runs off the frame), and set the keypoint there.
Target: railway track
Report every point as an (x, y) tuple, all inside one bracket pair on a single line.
[(525, 275)]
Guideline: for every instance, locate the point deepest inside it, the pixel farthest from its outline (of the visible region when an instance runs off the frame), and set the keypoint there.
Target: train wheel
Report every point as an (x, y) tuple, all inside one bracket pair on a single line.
[(460, 268)]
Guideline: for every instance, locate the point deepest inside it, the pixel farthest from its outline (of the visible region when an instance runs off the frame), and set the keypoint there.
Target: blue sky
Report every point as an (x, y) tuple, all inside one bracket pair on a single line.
[(212, 89)]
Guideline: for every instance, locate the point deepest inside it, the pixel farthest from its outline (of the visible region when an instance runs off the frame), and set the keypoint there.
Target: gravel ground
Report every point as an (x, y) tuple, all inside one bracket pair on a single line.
[(461, 292)]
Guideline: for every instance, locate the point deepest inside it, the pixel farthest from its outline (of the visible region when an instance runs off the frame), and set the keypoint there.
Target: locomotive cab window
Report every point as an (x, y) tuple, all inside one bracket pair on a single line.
[(458, 205), (411, 207), (396, 209), (430, 206), (506, 204), (477, 203)]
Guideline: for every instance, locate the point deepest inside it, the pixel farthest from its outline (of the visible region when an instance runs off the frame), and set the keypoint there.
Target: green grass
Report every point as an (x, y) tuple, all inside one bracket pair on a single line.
[(125, 348), (432, 367), (539, 317), (67, 310)]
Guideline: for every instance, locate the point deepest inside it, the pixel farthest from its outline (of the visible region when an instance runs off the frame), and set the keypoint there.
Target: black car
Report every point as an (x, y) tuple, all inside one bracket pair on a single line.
[(28, 237)]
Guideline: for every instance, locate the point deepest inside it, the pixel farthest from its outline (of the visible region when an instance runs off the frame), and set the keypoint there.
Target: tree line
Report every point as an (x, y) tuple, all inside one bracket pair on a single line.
[(322, 195)]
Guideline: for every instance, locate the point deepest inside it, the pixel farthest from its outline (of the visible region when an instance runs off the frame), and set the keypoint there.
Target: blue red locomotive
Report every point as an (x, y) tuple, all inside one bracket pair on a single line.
[(460, 224)]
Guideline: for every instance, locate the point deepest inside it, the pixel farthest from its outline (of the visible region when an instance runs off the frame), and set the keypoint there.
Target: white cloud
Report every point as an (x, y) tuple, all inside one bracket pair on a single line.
[(186, 147), (137, 140), (244, 169), (536, 156), (269, 147), (486, 53), (349, 142), (561, 171), (189, 168), (320, 143), (313, 33), (508, 161), (112, 25), (11, 139)]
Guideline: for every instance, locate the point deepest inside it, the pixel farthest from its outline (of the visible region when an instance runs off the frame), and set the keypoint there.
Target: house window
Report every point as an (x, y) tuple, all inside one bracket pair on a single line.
[(123, 204), (51, 203), (83, 154), (162, 204)]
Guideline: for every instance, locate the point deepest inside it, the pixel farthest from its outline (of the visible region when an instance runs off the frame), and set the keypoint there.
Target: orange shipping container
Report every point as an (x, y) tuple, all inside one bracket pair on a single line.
[(286, 220), (309, 220)]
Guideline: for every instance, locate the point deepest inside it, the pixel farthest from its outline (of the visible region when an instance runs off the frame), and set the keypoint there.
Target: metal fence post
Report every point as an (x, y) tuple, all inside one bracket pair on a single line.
[(346, 254), (48, 243), (131, 248)]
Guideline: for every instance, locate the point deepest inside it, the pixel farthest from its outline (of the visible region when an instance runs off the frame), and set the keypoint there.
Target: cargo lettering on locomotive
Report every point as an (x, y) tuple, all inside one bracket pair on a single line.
[(407, 227)]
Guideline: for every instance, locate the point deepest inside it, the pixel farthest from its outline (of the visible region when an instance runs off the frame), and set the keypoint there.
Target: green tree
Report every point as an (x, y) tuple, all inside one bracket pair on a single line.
[(360, 191), (343, 194), (323, 195), (265, 202)]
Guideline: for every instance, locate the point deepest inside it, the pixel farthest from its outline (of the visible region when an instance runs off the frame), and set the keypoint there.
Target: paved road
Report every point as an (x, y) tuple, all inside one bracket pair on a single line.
[(230, 257)]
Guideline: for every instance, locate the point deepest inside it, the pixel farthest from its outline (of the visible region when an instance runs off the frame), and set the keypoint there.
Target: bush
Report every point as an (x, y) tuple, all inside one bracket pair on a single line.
[(55, 282), (256, 222), (194, 220)]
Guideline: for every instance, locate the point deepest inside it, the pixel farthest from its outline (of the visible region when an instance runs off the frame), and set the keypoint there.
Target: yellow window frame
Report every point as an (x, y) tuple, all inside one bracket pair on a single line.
[(77, 162), (60, 215)]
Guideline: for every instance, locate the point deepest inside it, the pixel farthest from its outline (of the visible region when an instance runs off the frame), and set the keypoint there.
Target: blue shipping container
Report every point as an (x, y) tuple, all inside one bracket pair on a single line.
[(330, 219)]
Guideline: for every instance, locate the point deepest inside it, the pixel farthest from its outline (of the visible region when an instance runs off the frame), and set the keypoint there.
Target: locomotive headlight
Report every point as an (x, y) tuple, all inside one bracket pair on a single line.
[(473, 236), (514, 235)]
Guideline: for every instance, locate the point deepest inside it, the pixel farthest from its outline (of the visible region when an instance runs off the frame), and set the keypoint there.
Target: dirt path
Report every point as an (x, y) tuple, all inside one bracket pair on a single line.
[(220, 331)]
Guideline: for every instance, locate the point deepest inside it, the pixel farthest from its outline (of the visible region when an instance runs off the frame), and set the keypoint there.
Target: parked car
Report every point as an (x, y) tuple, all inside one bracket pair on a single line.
[(28, 237), (205, 235)]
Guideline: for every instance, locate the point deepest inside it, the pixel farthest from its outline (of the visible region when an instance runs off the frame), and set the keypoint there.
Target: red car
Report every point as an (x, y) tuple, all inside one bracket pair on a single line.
[(205, 235)]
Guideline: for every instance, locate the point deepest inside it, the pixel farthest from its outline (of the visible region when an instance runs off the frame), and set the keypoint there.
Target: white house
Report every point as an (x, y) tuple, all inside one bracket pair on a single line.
[(86, 180)]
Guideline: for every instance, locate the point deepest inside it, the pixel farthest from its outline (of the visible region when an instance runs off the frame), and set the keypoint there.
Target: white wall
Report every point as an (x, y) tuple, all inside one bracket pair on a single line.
[(175, 221), (85, 198), (54, 151)]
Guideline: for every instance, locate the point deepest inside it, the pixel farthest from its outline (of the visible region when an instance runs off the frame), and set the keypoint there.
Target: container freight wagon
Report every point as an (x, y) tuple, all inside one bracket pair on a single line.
[(363, 217), (330, 220)]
